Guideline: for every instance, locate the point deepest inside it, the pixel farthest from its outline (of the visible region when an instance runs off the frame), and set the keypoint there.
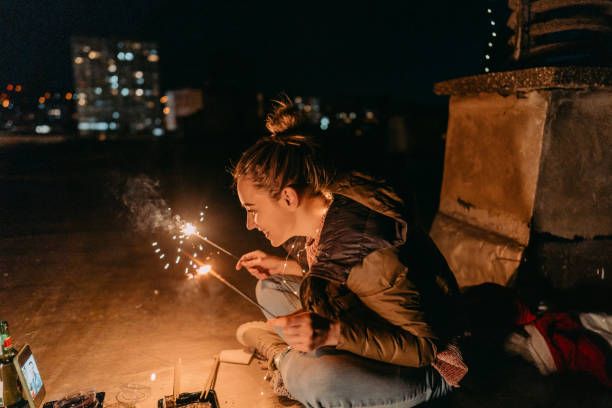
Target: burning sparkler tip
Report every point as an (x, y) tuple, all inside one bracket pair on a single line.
[(204, 269)]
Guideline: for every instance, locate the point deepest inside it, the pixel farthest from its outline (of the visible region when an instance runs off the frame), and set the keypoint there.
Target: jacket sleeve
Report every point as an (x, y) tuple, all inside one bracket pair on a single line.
[(382, 284)]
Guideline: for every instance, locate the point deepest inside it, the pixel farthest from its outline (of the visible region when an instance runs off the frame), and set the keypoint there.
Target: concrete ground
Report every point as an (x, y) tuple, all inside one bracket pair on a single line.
[(87, 291)]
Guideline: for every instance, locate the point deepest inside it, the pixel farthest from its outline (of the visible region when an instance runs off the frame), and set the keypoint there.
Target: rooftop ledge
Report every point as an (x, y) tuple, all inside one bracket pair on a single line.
[(528, 80)]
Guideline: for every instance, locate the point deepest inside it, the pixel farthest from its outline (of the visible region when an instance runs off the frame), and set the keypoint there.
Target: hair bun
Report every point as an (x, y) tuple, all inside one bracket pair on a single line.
[(284, 117)]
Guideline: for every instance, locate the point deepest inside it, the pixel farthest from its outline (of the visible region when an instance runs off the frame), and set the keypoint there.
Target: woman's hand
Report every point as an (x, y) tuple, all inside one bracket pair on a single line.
[(306, 331), (262, 265)]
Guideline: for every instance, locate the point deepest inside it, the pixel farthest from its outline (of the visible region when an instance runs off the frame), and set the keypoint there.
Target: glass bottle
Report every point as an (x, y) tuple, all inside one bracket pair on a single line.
[(9, 381)]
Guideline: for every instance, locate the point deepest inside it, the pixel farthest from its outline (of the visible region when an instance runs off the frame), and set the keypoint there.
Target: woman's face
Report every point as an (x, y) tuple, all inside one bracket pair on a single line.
[(275, 218)]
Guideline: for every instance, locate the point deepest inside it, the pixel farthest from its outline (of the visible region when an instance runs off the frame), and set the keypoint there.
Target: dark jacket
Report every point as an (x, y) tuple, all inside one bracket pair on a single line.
[(381, 278)]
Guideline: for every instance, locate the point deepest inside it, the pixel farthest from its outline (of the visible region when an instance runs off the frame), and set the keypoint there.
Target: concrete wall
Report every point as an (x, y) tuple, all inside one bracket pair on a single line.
[(574, 193)]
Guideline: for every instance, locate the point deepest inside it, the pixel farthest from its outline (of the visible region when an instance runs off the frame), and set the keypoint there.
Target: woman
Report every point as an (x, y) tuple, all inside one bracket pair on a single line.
[(367, 308)]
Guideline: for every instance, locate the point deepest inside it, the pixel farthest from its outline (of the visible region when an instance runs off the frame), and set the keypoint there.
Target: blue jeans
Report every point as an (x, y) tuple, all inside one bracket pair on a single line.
[(328, 377)]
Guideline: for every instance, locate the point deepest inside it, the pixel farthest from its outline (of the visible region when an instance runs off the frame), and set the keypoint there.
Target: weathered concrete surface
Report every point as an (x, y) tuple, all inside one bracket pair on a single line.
[(574, 193), (526, 153), (492, 161), (473, 254)]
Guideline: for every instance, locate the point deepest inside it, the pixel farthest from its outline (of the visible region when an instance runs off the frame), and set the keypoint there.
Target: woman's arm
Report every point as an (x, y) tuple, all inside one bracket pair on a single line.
[(381, 283)]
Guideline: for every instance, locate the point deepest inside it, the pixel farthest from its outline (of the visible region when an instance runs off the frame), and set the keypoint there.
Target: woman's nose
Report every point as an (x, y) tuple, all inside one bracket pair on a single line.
[(250, 223)]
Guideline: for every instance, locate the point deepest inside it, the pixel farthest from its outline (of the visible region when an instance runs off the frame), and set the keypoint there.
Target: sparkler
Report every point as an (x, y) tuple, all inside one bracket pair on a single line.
[(205, 269), (189, 230)]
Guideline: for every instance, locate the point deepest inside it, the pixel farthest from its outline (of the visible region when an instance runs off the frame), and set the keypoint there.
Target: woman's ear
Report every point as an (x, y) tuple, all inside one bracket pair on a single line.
[(290, 198)]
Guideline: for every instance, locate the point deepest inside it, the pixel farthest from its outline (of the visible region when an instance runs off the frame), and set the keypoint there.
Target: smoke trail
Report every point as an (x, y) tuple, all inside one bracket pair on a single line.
[(149, 210)]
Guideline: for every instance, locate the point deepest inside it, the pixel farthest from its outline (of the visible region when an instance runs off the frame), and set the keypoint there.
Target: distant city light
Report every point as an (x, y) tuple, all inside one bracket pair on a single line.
[(166, 110), (112, 125), (129, 56), (158, 132), (489, 11), (42, 129), (93, 54), (138, 74), (78, 60), (352, 115), (487, 56), (494, 34), (112, 68), (490, 44), (55, 112), (6, 103), (125, 91), (298, 99), (10, 87), (121, 55), (139, 92), (98, 90), (41, 99), (369, 115), (116, 115), (492, 22), (486, 69), (324, 123), (163, 99), (68, 96), (93, 126), (153, 58), (17, 88)]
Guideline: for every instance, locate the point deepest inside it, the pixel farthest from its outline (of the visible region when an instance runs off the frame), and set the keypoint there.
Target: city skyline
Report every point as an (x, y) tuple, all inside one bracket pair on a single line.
[(328, 50)]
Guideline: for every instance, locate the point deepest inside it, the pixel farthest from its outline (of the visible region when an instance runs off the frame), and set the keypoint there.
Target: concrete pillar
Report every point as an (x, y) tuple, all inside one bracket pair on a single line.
[(528, 157)]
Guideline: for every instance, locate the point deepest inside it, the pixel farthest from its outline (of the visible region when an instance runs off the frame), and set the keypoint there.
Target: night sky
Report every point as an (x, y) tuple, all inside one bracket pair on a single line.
[(330, 49)]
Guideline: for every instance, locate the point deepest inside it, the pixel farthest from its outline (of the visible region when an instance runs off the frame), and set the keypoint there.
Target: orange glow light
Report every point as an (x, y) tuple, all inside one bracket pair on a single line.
[(41, 99), (47, 95), (5, 103), (10, 87), (166, 110), (68, 96), (18, 88), (163, 99)]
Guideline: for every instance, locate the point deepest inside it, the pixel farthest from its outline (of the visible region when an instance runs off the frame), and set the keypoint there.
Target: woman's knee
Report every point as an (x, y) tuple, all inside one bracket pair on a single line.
[(313, 386)]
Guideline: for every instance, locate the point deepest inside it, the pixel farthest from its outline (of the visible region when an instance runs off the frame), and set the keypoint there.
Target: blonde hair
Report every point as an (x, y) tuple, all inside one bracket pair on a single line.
[(288, 157)]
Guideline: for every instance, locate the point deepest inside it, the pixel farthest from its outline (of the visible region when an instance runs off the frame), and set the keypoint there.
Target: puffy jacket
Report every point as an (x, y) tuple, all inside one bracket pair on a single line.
[(381, 278)]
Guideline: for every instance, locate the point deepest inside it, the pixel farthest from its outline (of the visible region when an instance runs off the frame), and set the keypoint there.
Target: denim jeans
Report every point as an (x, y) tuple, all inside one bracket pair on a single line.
[(328, 377)]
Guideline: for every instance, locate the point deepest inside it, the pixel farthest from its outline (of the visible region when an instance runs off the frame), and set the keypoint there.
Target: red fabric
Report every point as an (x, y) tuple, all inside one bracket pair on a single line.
[(573, 348)]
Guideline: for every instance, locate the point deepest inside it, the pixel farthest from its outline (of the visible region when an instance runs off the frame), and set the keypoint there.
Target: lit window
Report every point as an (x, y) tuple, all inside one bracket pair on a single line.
[(324, 123), (112, 68), (138, 74), (43, 129), (139, 92)]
